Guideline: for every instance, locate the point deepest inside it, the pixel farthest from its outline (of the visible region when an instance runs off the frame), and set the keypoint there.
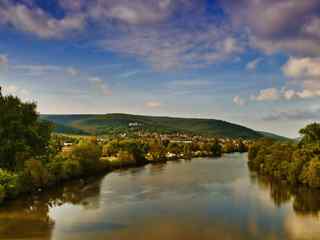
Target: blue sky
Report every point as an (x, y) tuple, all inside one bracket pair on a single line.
[(255, 63)]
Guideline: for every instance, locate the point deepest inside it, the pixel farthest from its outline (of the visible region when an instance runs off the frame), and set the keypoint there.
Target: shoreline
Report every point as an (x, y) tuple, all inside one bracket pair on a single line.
[(101, 173)]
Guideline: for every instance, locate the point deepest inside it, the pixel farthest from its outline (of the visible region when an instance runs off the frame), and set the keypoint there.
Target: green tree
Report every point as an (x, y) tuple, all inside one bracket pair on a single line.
[(311, 133), (35, 174), (216, 149), (311, 173), (88, 155), (22, 135)]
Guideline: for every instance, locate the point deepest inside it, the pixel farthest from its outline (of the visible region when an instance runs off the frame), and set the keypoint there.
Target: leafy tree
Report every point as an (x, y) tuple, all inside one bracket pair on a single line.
[(242, 147), (35, 173), (88, 155), (311, 173), (22, 136), (10, 182), (216, 149), (174, 147), (311, 133)]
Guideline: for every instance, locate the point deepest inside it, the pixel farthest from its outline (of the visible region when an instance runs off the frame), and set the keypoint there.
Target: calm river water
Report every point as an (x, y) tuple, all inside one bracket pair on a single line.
[(207, 198)]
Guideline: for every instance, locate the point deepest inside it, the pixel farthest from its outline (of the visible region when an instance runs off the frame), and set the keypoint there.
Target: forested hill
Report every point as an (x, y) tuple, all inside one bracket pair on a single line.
[(119, 123)]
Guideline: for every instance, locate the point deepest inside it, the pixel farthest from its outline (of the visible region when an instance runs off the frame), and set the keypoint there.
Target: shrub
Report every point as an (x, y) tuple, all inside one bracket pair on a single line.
[(88, 155), (311, 173), (10, 182), (35, 174), (216, 149), (71, 169)]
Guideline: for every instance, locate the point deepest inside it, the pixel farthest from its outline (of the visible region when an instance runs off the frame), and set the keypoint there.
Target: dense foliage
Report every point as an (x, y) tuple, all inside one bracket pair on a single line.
[(22, 136), (294, 163)]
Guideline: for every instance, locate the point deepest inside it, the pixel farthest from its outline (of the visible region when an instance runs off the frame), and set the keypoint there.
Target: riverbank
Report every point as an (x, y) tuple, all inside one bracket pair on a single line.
[(295, 163), (84, 160)]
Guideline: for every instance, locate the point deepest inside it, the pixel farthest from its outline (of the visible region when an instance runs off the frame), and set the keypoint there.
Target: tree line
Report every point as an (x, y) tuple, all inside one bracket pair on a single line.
[(295, 163)]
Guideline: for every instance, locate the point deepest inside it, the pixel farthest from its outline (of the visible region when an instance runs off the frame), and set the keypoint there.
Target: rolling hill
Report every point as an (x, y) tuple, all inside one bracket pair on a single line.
[(118, 123)]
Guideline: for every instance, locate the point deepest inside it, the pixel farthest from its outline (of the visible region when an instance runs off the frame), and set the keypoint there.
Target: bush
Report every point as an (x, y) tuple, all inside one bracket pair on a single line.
[(35, 174), (216, 149), (55, 169), (10, 182), (71, 169), (88, 156), (311, 173)]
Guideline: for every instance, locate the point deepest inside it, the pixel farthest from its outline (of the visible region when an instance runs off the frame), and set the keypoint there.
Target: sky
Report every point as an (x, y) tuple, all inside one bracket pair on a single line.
[(251, 62)]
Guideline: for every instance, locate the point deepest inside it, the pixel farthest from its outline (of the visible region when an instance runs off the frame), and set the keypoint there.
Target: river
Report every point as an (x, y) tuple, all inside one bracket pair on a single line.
[(205, 198)]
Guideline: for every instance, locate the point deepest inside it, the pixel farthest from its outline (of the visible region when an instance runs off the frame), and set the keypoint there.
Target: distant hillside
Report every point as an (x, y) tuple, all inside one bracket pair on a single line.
[(274, 136), (118, 123)]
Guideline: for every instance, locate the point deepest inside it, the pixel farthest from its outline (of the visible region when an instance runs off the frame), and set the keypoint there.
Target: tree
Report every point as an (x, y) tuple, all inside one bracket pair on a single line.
[(216, 149), (311, 173), (22, 135), (242, 147), (311, 133)]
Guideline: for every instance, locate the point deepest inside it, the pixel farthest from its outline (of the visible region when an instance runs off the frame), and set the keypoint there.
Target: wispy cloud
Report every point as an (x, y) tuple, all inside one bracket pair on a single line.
[(269, 94), (100, 86), (304, 115), (72, 71), (153, 104), (172, 48), (37, 70), (3, 59), (33, 19), (283, 25), (239, 101), (252, 65), (15, 90)]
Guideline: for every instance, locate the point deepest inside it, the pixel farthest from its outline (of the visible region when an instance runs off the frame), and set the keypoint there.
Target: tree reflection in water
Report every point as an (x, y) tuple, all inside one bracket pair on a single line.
[(29, 216), (305, 201)]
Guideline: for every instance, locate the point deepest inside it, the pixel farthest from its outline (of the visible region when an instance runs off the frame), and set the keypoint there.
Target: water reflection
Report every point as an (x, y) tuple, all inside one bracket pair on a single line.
[(305, 201), (29, 217), (196, 199)]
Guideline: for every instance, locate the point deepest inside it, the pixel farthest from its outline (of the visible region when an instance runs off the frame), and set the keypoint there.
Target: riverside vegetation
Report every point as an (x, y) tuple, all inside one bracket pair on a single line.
[(33, 158), (294, 163)]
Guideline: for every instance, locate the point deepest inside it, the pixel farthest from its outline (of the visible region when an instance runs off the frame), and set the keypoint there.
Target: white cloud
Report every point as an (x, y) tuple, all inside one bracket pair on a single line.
[(313, 27), (302, 68), (293, 114), (239, 101), (140, 28), (35, 20), (15, 90), (72, 71), (289, 94), (252, 65), (278, 25), (304, 72), (129, 74), (152, 104), (269, 94), (4, 59), (177, 45), (100, 86), (37, 70)]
